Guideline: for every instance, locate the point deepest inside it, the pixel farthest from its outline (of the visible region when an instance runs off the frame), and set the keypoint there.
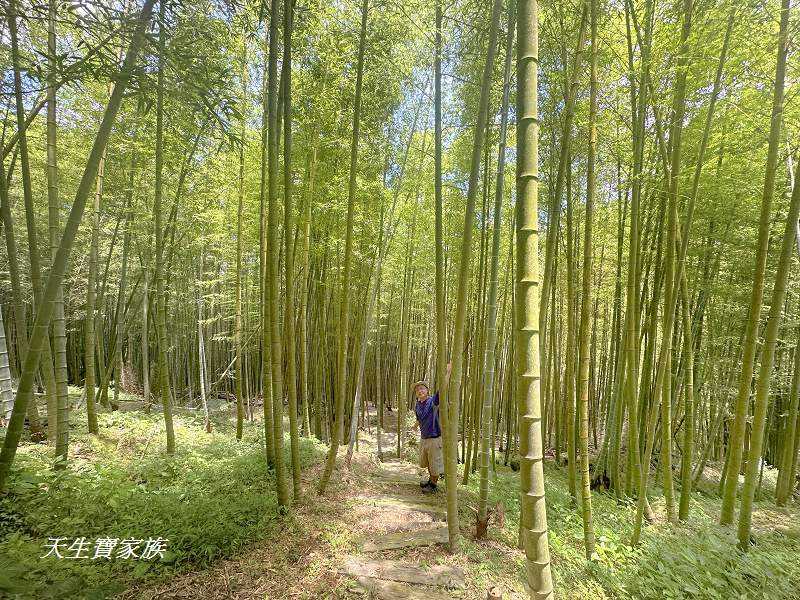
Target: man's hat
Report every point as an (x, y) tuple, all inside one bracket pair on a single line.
[(419, 383)]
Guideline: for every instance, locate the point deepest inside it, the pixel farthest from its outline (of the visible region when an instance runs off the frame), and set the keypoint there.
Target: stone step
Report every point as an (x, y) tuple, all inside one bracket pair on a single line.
[(393, 570), (437, 511), (380, 589), (407, 539)]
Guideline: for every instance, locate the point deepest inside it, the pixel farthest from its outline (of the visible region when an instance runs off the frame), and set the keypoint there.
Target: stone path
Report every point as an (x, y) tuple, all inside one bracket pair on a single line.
[(374, 535), (381, 570)]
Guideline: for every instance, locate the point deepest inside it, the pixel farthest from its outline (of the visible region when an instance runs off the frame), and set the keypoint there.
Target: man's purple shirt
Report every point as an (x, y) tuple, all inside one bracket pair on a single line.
[(428, 417)]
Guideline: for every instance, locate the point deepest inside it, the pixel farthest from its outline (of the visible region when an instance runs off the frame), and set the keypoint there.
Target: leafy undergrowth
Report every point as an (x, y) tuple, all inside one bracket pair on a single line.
[(698, 559), (208, 500), (215, 503)]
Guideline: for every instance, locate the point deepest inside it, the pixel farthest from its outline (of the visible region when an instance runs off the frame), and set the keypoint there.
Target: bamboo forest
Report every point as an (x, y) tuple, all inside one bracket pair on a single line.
[(399, 299)]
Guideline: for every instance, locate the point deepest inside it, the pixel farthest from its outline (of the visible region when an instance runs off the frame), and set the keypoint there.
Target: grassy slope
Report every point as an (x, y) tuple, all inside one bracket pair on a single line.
[(209, 500), (694, 560)]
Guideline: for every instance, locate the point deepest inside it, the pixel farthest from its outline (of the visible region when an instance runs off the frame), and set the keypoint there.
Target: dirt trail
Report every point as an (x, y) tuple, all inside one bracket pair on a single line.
[(381, 566), (374, 534)]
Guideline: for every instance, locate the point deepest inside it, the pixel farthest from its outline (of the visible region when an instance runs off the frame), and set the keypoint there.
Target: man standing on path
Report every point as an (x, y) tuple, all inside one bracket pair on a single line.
[(430, 447)]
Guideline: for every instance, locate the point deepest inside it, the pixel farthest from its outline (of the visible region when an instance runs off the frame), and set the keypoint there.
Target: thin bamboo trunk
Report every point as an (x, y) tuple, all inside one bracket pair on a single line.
[(201, 346), (737, 436), (145, 340), (343, 323), (288, 236), (663, 377), (305, 285), (237, 334), (6, 385), (263, 258), (47, 369), (59, 321), (491, 318), (90, 317), (20, 324), (786, 478), (273, 265), (161, 293), (586, 300), (447, 412), (688, 424), (755, 459), (453, 391), (568, 398), (551, 246), (402, 388)]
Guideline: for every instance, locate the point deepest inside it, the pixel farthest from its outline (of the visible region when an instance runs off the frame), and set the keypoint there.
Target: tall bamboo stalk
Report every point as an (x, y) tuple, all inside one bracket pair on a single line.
[(583, 330), (59, 321), (47, 369), (754, 457), (161, 292), (273, 263), (736, 440), (533, 511), (288, 236), (343, 323), (787, 476), (491, 316), (263, 258), (446, 414), (237, 334)]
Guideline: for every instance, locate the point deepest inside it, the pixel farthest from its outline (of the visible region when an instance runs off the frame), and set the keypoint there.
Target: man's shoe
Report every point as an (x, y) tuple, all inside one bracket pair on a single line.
[(422, 484), (429, 488)]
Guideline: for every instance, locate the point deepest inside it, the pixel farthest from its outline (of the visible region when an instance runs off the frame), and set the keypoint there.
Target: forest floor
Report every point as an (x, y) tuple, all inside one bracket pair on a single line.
[(374, 520), (215, 502)]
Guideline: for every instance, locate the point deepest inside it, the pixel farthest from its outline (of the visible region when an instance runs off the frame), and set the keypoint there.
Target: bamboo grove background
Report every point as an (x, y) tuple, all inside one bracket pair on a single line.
[(234, 234)]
